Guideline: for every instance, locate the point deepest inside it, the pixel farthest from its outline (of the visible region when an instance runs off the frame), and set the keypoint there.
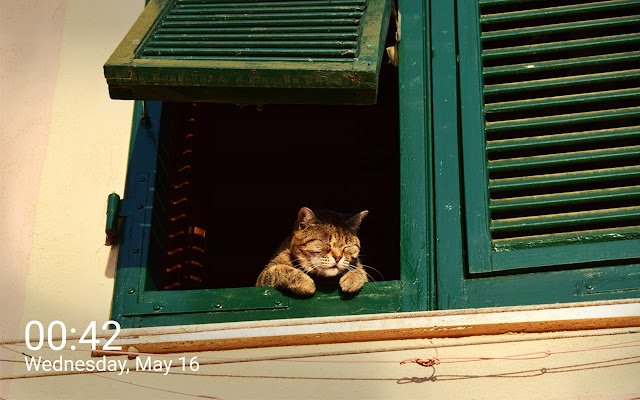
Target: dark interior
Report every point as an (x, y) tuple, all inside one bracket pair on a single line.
[(240, 173)]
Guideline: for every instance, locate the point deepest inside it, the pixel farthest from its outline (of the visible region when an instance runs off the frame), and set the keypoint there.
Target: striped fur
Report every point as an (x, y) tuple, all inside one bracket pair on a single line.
[(322, 245)]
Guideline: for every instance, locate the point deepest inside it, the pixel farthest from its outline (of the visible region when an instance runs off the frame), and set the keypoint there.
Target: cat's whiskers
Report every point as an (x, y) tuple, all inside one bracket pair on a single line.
[(352, 267), (374, 269), (298, 264)]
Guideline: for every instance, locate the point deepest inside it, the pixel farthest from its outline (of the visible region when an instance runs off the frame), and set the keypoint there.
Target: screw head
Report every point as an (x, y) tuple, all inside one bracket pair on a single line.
[(157, 307), (132, 291)]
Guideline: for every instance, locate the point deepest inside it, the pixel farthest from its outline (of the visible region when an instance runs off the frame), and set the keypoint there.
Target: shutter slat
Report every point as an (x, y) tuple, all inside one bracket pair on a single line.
[(564, 28), (575, 99), (573, 159), (560, 47), (566, 179), (580, 236), (250, 3), (307, 44), (151, 51), (563, 140), (590, 79), (548, 12), (266, 30), (255, 16), (208, 23), (255, 9), (584, 197), (582, 218), (223, 37), (565, 120), (564, 64)]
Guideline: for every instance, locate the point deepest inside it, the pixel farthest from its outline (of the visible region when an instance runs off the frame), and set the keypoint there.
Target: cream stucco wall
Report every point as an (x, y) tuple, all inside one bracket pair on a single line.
[(63, 149)]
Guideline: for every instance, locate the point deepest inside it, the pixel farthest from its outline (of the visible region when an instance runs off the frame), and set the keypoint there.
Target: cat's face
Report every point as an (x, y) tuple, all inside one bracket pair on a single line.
[(326, 245)]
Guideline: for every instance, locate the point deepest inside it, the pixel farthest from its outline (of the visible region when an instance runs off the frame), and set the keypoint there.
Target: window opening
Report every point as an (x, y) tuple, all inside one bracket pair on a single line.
[(231, 178)]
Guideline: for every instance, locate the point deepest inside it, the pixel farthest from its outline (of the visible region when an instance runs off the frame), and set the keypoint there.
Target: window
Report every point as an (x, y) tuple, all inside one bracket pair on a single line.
[(512, 162), (201, 173)]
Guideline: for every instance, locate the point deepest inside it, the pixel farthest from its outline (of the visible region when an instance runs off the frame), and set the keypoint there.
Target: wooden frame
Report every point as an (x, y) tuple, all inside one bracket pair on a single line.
[(346, 329), (136, 305)]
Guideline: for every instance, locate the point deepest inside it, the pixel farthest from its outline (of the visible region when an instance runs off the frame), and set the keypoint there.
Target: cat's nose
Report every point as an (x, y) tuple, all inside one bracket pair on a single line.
[(336, 256)]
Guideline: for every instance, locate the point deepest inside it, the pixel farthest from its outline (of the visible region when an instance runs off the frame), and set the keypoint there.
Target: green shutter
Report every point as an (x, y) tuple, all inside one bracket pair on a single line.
[(546, 125), (560, 130), (252, 51)]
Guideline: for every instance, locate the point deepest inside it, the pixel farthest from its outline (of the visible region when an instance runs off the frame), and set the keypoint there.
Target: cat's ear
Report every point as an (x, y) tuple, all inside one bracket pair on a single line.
[(354, 222), (306, 217)]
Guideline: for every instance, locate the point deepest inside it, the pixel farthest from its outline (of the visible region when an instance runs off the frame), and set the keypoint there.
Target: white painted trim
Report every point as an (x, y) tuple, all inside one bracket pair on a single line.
[(364, 328)]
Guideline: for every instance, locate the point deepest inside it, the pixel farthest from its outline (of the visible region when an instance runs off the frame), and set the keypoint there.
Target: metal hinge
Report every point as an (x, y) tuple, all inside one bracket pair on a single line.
[(111, 229)]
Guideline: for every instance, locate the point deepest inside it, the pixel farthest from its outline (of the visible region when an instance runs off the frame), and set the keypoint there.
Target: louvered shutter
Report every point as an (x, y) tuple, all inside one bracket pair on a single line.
[(536, 110), (252, 51), (552, 154)]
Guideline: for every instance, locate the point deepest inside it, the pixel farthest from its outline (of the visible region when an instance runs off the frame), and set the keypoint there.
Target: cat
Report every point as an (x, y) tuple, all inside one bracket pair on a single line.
[(322, 245)]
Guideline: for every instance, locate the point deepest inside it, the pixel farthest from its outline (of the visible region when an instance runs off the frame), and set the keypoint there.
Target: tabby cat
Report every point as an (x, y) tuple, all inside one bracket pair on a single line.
[(322, 245)]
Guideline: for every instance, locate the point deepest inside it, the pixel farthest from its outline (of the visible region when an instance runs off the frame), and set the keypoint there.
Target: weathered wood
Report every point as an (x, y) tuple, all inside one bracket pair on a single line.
[(419, 325)]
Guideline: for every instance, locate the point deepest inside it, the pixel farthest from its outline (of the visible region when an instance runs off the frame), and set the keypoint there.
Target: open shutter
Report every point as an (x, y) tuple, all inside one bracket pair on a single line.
[(549, 97), (252, 51)]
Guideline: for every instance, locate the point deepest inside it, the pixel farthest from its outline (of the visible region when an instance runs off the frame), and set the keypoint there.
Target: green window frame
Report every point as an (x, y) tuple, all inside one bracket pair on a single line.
[(137, 303), (448, 256), (572, 262)]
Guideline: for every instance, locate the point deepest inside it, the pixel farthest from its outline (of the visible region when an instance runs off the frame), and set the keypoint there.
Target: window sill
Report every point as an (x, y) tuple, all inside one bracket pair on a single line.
[(376, 327)]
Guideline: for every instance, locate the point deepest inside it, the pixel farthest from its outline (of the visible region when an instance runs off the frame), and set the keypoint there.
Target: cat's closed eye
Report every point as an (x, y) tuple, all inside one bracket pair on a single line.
[(318, 246)]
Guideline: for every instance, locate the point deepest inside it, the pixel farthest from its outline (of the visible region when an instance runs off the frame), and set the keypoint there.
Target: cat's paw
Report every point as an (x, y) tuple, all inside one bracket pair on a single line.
[(352, 281), (302, 285)]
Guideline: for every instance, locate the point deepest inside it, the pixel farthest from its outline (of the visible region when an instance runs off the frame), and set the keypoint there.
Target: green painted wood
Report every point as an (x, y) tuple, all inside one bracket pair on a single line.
[(564, 199), (383, 298), (558, 101), (208, 51), (561, 10), (626, 248), (568, 28), (450, 261), (567, 140), (135, 211), (570, 159), (474, 127), (559, 47), (588, 284), (565, 179), (416, 174), (548, 150), (567, 220), (375, 297), (564, 64), (557, 83)]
